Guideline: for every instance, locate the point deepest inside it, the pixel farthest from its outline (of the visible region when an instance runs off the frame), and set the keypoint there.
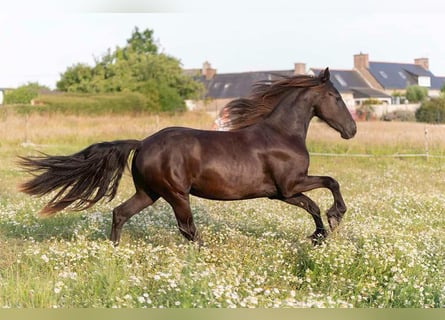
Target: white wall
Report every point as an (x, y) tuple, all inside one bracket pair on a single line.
[(382, 109)]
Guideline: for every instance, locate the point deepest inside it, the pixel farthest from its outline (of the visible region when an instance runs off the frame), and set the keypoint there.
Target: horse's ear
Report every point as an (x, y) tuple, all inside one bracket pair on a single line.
[(324, 75)]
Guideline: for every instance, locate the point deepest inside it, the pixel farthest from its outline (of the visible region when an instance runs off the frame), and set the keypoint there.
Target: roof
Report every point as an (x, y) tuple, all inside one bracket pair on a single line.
[(345, 80), (389, 75), (438, 82), (237, 85), (366, 93), (400, 75)]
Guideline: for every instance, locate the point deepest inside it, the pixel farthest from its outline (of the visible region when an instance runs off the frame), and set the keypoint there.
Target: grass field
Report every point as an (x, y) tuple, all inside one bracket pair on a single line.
[(388, 252)]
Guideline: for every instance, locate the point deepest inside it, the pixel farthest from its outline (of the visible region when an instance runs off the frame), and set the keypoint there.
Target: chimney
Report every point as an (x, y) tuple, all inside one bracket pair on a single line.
[(299, 68), (207, 70), (361, 61), (423, 62)]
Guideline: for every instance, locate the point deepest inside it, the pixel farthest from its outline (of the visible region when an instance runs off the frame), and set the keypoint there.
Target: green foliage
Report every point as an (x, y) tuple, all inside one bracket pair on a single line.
[(23, 94), (142, 42), (432, 111), (76, 78), (369, 102), (137, 67), (87, 104), (416, 93)]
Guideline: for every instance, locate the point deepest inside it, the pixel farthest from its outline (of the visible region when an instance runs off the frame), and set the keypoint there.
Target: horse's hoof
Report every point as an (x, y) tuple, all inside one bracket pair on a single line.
[(333, 222), (317, 237)]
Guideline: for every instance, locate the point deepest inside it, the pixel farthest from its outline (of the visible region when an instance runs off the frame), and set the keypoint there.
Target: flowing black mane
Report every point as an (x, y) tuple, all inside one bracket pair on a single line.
[(263, 98)]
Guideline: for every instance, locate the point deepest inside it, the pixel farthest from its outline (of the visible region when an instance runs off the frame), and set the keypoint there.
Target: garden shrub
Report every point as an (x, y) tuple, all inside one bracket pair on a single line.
[(432, 111)]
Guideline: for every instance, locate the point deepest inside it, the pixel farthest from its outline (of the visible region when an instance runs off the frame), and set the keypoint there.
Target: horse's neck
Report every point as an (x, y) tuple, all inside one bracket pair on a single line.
[(291, 118)]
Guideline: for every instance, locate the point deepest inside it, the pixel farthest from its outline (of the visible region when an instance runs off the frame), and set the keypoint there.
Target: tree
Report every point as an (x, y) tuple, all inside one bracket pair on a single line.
[(24, 94), (137, 67), (416, 93), (76, 78), (142, 42)]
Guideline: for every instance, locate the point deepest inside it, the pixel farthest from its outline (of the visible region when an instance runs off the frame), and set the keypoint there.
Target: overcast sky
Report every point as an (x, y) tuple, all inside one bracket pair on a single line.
[(40, 39)]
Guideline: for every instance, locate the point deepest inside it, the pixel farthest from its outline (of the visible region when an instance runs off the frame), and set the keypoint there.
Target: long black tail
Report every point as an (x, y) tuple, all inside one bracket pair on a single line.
[(82, 179)]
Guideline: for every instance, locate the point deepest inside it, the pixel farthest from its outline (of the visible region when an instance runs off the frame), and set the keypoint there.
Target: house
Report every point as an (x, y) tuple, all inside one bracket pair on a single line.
[(396, 77)]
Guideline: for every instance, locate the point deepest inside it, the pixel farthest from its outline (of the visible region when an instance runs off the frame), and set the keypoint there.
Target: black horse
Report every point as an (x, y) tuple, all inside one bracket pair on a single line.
[(263, 155)]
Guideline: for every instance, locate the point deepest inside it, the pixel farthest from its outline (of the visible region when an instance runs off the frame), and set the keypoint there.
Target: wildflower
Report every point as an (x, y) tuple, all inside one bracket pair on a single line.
[(134, 280), (45, 258), (141, 299), (58, 287), (128, 297)]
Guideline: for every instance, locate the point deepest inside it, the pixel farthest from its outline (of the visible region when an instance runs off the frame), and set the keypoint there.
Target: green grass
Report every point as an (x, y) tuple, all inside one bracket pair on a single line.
[(388, 251)]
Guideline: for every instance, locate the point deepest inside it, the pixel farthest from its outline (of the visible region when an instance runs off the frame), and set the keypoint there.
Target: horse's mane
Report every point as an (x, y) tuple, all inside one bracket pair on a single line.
[(263, 99)]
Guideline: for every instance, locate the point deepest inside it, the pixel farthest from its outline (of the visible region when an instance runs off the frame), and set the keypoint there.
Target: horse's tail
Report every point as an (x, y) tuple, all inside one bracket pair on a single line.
[(82, 179)]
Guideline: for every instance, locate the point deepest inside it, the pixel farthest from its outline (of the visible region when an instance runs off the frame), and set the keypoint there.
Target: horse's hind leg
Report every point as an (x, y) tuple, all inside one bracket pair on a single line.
[(311, 207), (183, 214), (126, 210)]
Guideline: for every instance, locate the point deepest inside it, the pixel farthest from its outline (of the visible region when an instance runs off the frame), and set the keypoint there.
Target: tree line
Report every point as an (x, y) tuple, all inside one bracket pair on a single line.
[(138, 67)]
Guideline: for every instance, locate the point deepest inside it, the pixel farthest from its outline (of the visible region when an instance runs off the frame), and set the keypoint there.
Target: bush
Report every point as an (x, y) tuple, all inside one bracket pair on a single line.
[(399, 115), (416, 93), (23, 94), (432, 111), (129, 102)]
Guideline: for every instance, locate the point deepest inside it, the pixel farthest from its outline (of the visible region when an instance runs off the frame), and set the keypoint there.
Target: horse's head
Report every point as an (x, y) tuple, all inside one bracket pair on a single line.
[(330, 107)]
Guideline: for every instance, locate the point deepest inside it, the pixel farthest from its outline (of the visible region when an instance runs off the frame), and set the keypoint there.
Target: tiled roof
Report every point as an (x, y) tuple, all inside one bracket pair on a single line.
[(345, 80), (236, 85), (438, 82), (389, 75), (365, 93), (400, 75)]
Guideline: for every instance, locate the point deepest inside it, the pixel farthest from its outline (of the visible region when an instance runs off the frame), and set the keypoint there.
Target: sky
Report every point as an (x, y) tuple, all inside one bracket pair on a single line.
[(39, 40)]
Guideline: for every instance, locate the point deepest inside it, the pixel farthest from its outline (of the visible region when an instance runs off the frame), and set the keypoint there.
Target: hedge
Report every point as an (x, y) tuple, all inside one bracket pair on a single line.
[(91, 104)]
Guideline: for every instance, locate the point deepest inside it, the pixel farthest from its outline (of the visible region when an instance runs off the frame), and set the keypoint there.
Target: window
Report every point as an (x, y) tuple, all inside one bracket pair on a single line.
[(424, 81), (340, 80), (402, 75), (383, 74)]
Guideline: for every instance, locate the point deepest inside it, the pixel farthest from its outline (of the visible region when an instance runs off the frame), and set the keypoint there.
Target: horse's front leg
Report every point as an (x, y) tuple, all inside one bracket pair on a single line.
[(338, 209), (311, 207)]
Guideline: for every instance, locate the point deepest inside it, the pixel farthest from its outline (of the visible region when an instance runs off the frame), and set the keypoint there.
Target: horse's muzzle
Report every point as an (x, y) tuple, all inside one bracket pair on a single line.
[(349, 132)]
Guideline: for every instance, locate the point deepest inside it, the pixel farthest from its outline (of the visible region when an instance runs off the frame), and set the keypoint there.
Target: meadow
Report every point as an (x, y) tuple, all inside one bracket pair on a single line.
[(388, 251)]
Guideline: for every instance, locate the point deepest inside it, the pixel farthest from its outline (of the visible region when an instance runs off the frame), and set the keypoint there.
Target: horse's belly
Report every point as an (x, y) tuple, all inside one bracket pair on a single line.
[(213, 185)]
